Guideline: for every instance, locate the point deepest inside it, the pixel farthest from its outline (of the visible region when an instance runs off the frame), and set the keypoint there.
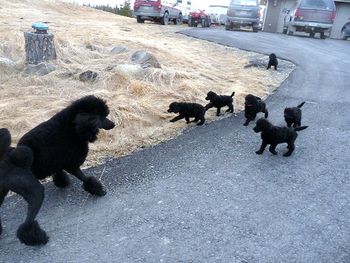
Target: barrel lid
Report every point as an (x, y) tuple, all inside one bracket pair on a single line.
[(40, 26)]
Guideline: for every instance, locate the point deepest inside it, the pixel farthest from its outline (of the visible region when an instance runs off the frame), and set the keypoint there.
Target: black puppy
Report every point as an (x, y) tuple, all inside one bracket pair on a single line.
[(188, 110), (61, 144), (16, 175), (275, 135), (272, 61), (219, 101), (293, 115), (252, 106)]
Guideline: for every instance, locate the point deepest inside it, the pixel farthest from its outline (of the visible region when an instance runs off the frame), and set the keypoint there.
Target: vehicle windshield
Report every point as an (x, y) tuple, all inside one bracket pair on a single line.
[(317, 4), (244, 2)]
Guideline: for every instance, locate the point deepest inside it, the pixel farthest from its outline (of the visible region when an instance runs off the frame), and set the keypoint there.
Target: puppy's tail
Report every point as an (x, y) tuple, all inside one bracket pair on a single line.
[(301, 105), (233, 93), (300, 128)]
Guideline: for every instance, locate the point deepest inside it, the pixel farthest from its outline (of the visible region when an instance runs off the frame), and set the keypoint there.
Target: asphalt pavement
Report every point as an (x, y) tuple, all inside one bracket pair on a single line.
[(206, 196)]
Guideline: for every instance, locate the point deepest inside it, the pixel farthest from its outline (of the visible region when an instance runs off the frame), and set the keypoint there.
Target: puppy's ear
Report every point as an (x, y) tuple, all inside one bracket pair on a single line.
[(87, 126), (5, 141)]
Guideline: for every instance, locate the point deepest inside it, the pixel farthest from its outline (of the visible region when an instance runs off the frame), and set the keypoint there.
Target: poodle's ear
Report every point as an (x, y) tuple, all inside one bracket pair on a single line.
[(5, 141), (86, 126)]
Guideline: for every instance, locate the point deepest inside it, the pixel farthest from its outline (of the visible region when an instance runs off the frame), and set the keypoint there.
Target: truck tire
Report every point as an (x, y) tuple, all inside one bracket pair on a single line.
[(165, 19), (178, 20), (140, 20)]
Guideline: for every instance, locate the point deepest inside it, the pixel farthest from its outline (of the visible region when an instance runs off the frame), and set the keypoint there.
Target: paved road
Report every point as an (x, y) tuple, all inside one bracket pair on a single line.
[(206, 196)]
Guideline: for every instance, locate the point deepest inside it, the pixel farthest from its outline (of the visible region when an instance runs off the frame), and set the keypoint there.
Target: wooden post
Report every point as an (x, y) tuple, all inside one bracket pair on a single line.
[(39, 47)]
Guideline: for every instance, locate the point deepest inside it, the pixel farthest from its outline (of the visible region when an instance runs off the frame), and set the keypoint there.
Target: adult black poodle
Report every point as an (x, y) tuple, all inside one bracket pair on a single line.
[(16, 175), (60, 144), (252, 106), (219, 101)]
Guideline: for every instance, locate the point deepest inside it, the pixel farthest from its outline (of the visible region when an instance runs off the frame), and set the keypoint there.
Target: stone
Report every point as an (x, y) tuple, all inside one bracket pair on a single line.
[(88, 76), (145, 59), (7, 63), (41, 69), (119, 49)]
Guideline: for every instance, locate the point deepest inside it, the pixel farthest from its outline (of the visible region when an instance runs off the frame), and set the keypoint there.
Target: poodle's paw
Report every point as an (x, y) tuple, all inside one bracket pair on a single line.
[(259, 152), (273, 152), (61, 180), (32, 234), (94, 186), (246, 123)]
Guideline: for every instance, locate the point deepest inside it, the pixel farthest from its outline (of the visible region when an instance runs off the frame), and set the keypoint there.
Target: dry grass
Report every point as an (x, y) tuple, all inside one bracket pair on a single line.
[(138, 99)]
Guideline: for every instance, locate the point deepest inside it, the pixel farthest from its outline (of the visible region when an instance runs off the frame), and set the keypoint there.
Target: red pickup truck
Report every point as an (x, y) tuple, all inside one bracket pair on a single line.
[(154, 10)]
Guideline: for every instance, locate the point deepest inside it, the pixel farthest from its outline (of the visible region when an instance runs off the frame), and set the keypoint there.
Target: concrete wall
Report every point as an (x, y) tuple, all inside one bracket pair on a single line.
[(343, 16), (276, 10)]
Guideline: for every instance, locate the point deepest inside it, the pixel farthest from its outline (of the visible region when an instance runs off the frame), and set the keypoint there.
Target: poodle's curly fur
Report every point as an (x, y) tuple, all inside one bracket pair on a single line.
[(187, 111), (16, 176), (252, 106), (60, 144), (275, 135), (219, 101)]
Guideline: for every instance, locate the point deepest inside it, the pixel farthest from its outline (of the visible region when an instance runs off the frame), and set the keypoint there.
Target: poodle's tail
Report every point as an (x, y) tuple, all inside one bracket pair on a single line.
[(22, 156), (233, 93), (301, 105), (300, 128)]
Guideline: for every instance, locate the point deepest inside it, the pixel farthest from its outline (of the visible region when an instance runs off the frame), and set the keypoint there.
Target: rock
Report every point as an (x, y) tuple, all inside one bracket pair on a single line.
[(41, 69), (91, 47), (119, 49), (88, 76), (145, 59), (7, 63), (110, 67)]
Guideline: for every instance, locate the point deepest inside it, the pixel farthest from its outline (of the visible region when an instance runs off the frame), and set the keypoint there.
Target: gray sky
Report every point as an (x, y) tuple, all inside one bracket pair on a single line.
[(195, 3)]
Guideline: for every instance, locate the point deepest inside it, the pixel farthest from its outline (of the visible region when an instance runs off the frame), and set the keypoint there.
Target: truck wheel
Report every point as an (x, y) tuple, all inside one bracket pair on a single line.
[(322, 35), (203, 22), (227, 27), (255, 28), (178, 20), (312, 34), (190, 24), (165, 19), (140, 20)]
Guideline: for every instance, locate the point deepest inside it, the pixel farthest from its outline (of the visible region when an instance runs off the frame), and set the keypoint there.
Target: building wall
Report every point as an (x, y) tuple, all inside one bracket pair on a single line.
[(343, 16), (276, 10)]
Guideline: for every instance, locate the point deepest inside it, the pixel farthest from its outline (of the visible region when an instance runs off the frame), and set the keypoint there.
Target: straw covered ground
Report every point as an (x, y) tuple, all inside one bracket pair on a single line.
[(138, 99)]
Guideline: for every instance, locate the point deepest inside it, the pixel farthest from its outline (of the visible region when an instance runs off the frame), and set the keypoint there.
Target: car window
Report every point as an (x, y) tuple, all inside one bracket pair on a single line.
[(244, 2), (317, 4)]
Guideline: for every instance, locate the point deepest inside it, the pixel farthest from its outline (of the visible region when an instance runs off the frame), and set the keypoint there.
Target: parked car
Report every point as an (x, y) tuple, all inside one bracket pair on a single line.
[(345, 31), (243, 13), (310, 16), (155, 10)]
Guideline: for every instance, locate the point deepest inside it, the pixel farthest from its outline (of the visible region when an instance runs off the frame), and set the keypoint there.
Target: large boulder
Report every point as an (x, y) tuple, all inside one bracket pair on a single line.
[(145, 59)]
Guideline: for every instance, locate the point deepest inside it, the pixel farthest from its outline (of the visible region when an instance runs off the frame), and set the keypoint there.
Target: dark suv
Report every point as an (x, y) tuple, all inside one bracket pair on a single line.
[(154, 10), (243, 13), (310, 16)]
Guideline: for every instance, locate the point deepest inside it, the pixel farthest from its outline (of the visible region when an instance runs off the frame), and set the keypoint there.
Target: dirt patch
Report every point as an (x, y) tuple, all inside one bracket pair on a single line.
[(138, 97)]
